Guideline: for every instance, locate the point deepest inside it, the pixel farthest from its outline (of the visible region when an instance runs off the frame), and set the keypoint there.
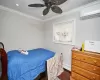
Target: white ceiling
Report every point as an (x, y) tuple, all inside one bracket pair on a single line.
[(37, 12)]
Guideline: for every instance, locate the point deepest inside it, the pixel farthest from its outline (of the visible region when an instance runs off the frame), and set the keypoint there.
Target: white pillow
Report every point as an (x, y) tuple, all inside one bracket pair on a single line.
[(23, 51)]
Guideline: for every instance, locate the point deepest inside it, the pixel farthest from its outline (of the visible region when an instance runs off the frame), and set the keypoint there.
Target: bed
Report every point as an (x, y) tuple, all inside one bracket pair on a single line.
[(27, 67)]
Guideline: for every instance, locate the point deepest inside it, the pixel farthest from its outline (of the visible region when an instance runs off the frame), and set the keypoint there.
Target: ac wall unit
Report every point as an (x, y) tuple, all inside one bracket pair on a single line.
[(90, 11)]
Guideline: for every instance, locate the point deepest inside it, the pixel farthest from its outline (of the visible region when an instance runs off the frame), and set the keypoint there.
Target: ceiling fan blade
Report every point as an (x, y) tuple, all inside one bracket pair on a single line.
[(46, 1), (45, 12), (36, 5), (56, 9), (58, 2)]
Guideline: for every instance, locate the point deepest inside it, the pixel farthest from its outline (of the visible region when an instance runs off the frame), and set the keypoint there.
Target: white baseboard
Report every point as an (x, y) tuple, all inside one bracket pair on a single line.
[(68, 67)]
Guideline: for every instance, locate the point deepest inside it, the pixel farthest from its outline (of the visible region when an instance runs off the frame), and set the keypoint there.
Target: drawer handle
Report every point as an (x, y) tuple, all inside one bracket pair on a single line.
[(94, 69), (75, 62), (74, 56), (95, 61), (83, 59), (94, 78)]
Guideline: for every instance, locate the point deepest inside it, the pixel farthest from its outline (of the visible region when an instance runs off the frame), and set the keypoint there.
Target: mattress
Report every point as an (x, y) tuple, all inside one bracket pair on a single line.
[(27, 67)]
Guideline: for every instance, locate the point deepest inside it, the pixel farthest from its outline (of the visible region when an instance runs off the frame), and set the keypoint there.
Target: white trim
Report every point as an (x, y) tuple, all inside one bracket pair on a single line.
[(64, 13), (73, 10), (18, 12), (66, 66)]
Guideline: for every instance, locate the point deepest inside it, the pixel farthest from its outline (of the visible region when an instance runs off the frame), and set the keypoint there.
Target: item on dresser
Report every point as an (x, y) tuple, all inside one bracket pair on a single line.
[(76, 48), (93, 46), (82, 47), (85, 65)]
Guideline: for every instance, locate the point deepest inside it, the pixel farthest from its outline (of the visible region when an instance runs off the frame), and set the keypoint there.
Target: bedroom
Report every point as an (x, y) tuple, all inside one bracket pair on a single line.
[(22, 27)]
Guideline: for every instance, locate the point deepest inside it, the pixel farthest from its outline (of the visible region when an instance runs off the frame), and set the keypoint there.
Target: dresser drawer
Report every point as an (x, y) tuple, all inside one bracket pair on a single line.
[(93, 54), (86, 66), (87, 74), (85, 58), (78, 77), (72, 78)]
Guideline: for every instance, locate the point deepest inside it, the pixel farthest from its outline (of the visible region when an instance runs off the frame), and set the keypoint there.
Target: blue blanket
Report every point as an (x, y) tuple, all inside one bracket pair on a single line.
[(27, 67)]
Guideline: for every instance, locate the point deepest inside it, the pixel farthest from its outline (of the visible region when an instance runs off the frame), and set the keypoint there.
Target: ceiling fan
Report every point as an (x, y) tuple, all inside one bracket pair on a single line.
[(50, 4)]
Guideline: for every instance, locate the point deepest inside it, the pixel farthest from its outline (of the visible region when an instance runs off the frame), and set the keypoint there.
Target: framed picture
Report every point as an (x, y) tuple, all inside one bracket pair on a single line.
[(64, 32)]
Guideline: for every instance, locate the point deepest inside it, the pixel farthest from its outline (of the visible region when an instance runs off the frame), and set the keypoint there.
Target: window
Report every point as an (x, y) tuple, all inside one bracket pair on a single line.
[(64, 32)]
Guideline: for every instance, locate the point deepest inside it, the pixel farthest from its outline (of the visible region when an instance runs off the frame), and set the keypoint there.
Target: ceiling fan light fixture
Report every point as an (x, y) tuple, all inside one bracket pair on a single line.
[(17, 4)]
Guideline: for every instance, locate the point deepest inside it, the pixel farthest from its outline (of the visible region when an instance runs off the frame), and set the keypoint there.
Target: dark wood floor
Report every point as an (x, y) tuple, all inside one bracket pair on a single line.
[(64, 76)]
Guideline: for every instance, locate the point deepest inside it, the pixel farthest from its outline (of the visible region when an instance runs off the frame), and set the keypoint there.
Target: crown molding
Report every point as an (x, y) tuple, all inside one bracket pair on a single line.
[(53, 17), (20, 13), (73, 10)]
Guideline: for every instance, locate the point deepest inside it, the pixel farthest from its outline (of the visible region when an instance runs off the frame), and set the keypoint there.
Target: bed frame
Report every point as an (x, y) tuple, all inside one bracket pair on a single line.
[(3, 59)]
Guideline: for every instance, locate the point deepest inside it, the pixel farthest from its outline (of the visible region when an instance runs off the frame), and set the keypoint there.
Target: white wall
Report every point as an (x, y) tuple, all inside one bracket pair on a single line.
[(17, 31), (85, 30)]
